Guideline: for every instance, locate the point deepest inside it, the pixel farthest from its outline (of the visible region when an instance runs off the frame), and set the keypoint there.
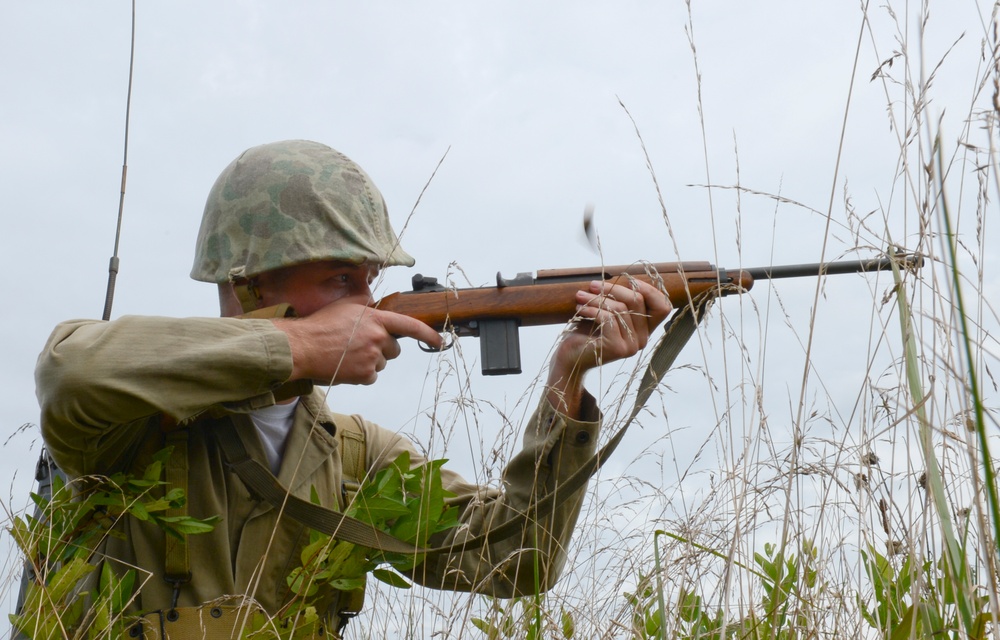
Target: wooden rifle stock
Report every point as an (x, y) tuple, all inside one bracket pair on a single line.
[(495, 313)]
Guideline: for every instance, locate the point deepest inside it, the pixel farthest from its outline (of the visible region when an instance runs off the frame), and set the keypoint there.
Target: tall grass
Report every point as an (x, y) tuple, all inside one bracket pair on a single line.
[(788, 512), (874, 517)]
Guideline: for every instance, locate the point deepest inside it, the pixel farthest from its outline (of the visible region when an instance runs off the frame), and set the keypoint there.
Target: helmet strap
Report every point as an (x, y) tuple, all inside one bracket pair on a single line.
[(246, 289)]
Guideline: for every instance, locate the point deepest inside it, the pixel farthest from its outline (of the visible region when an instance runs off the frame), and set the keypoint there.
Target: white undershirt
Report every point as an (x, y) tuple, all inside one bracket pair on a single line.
[(273, 424)]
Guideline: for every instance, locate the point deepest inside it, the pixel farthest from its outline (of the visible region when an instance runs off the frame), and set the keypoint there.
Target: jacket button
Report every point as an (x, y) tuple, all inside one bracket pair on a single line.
[(582, 437)]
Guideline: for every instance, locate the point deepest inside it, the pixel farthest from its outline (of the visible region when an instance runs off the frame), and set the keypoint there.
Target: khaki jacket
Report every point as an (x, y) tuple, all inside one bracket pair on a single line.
[(103, 388)]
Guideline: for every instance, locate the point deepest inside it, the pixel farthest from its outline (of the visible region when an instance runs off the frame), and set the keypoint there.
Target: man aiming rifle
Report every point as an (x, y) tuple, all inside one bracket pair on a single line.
[(298, 224)]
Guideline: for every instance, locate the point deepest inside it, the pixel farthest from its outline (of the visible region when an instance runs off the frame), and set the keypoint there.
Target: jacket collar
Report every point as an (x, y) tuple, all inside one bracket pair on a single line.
[(310, 442)]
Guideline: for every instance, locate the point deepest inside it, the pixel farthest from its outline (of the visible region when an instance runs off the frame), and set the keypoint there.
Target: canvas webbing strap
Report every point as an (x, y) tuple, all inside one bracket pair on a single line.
[(178, 561), (261, 481), (245, 289)]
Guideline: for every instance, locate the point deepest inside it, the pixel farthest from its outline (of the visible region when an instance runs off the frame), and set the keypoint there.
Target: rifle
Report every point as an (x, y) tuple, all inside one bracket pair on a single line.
[(495, 314)]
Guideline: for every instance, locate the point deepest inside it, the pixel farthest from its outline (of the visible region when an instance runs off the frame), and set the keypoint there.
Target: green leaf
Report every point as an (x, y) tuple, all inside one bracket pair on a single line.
[(136, 485), (902, 630), (155, 506), (391, 578), (311, 552), (139, 512), (348, 584), (65, 579), (487, 628), (301, 583), (378, 509), (188, 525), (568, 625), (176, 497)]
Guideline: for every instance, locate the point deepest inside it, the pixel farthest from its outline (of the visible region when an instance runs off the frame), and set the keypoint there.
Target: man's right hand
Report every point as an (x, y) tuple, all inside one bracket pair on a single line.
[(347, 343)]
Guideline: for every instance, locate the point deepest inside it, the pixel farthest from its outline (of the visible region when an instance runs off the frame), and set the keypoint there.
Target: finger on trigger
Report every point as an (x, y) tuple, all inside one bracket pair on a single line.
[(400, 325)]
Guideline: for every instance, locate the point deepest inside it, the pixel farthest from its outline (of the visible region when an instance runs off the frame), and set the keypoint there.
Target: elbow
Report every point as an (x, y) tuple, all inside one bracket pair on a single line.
[(58, 403), (58, 388), (72, 412)]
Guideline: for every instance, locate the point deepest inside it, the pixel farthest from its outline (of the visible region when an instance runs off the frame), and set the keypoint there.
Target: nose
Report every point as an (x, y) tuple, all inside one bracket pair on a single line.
[(361, 293)]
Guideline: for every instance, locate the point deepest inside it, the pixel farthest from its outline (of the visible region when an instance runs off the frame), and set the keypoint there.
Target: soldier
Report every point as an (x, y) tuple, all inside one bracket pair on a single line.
[(297, 222)]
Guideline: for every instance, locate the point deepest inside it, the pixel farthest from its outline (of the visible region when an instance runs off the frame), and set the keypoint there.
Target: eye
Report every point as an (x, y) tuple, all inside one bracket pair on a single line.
[(337, 280)]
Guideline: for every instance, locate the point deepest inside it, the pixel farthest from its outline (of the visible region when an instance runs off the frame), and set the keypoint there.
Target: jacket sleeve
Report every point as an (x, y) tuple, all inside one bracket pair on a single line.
[(98, 382), (532, 559)]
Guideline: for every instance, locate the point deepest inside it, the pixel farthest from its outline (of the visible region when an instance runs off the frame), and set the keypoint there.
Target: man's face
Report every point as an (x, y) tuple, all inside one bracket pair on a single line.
[(311, 286)]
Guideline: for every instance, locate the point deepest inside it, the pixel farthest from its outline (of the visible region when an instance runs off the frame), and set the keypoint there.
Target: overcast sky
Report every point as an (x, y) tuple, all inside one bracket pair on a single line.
[(536, 106)]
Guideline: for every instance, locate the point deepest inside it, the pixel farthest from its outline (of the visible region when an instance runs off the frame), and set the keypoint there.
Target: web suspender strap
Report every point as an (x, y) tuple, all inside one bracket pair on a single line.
[(261, 481), (178, 560)]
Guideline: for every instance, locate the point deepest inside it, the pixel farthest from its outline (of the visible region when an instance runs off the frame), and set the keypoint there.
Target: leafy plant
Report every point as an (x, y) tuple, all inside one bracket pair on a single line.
[(408, 503), (647, 616), (695, 618), (789, 580), (917, 600), (59, 543), (525, 618)]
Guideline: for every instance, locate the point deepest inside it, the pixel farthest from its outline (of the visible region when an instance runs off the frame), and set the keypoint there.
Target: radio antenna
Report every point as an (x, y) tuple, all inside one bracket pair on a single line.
[(113, 264)]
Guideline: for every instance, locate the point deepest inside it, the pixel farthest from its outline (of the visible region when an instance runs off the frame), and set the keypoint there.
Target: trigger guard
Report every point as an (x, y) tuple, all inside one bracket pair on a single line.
[(447, 344)]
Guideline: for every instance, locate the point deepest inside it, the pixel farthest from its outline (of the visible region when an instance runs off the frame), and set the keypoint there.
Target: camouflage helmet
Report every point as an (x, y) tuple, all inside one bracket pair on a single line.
[(291, 202)]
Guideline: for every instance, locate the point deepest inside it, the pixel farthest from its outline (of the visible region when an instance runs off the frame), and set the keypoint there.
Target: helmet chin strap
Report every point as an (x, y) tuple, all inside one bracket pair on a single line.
[(246, 289)]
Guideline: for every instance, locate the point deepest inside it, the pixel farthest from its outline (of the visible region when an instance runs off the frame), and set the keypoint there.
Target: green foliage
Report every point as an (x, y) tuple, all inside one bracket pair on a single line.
[(525, 618), (59, 543), (918, 600), (408, 503), (695, 618), (910, 600), (647, 616), (789, 581)]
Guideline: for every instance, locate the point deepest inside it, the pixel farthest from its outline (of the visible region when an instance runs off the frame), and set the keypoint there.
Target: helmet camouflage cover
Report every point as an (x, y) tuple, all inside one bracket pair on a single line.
[(291, 202)]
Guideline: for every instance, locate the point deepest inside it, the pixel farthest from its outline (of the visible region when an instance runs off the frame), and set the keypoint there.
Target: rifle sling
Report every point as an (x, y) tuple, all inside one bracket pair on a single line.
[(262, 482)]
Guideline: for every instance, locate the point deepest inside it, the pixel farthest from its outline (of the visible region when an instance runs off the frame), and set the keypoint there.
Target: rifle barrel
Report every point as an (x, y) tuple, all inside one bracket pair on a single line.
[(832, 268)]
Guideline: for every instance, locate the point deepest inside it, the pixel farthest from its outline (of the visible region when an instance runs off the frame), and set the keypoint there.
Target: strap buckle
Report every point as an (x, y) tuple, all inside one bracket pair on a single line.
[(175, 581)]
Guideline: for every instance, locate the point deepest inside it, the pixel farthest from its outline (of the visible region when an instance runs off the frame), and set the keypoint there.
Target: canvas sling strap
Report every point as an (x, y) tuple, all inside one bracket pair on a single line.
[(226, 620), (262, 482)]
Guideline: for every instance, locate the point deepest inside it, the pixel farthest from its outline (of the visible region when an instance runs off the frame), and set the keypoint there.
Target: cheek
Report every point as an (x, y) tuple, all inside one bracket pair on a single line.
[(308, 302), (305, 305), (307, 298)]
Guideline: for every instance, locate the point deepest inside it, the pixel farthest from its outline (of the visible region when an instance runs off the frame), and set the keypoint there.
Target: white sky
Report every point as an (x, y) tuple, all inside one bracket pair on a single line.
[(524, 97)]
